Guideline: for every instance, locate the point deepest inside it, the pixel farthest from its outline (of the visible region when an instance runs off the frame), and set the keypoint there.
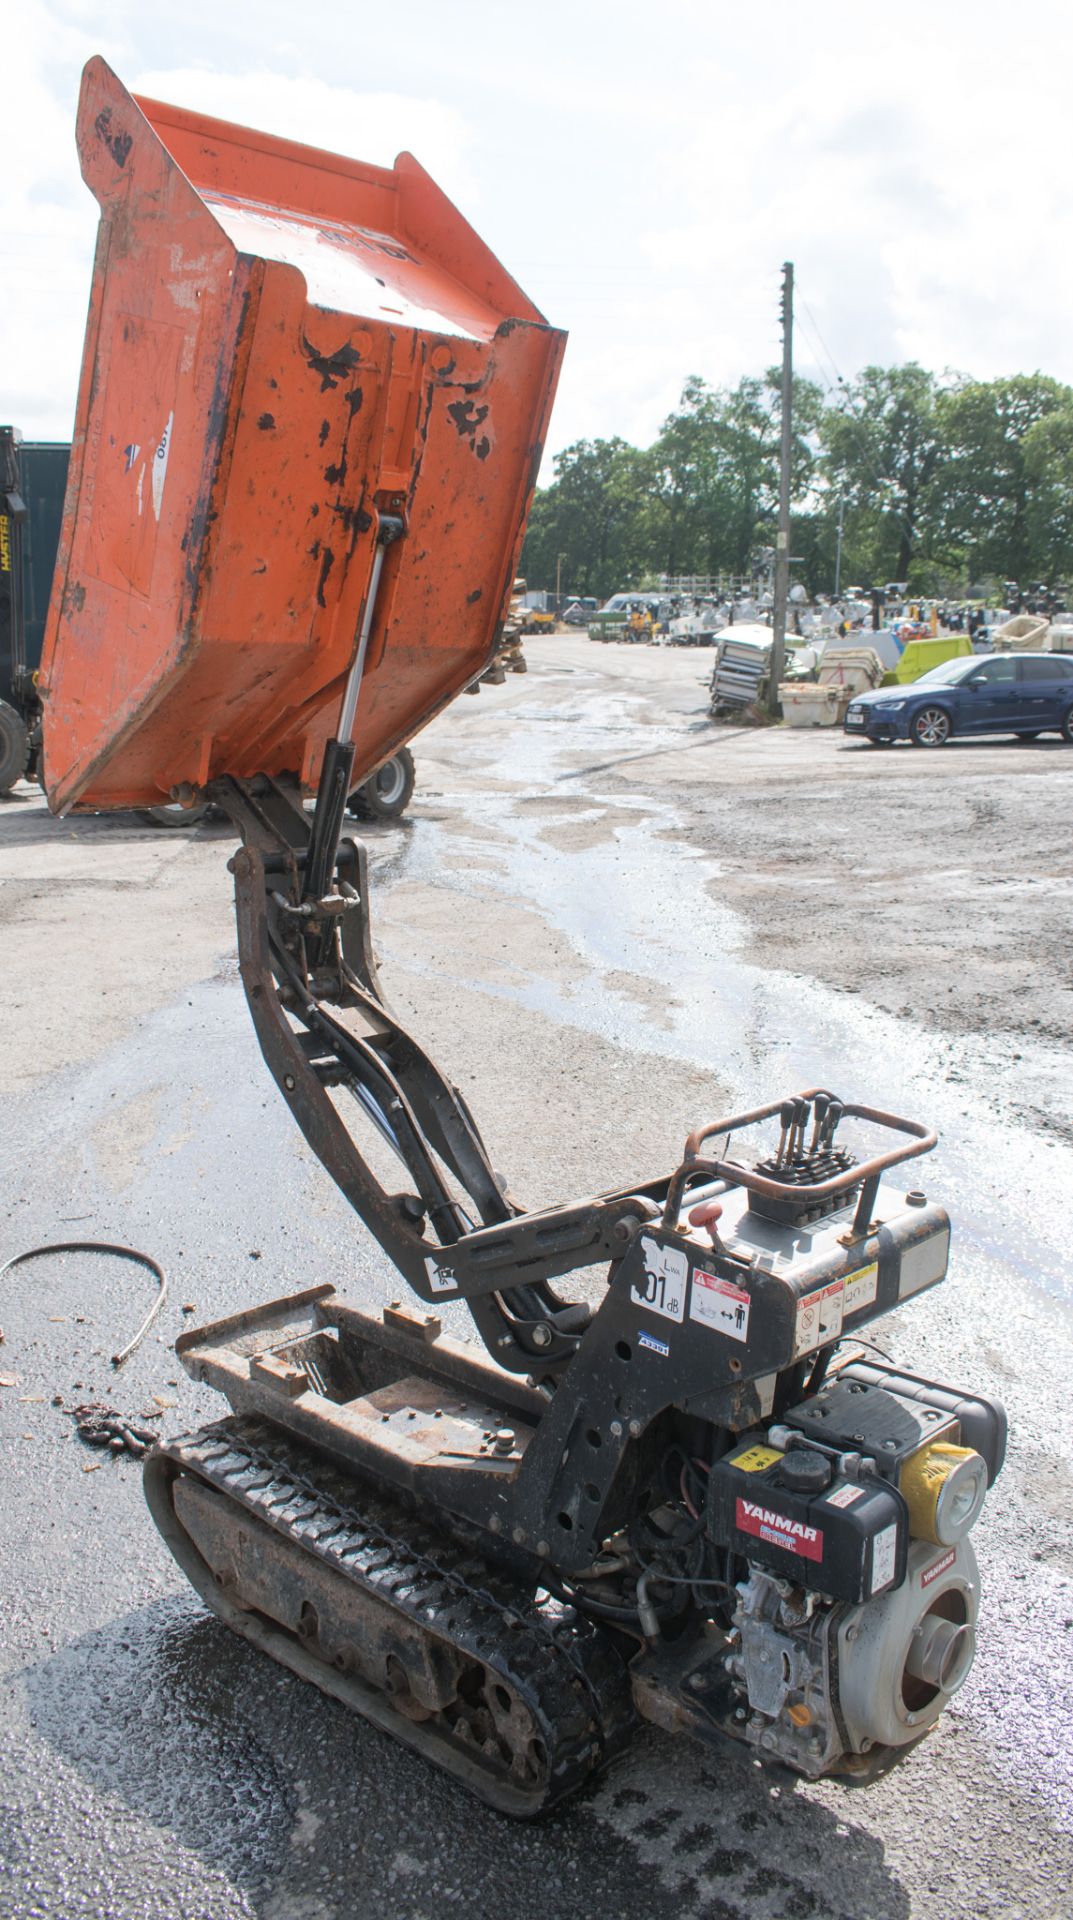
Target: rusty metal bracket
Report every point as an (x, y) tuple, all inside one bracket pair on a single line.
[(304, 966)]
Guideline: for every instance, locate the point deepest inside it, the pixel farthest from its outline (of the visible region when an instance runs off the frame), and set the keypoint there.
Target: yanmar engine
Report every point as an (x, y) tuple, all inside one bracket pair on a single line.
[(856, 1618)]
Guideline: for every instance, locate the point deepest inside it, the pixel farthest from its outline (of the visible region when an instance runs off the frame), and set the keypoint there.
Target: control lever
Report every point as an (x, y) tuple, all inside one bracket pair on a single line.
[(786, 1120), (819, 1108), (834, 1115), (708, 1215)]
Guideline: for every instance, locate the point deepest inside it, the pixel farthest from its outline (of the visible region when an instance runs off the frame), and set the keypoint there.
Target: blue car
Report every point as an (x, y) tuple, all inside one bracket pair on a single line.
[(1025, 693)]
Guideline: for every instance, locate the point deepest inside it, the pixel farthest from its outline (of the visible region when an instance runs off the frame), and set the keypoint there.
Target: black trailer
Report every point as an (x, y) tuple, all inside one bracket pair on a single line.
[(33, 478)]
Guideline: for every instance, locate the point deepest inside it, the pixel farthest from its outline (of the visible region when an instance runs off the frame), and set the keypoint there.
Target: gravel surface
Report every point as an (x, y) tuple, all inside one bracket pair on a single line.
[(609, 919)]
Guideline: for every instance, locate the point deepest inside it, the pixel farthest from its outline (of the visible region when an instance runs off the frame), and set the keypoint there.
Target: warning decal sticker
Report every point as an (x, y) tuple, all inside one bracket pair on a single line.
[(441, 1279), (793, 1536), (844, 1496), (666, 1277), (884, 1556), (719, 1304), (860, 1289), (754, 1459), (819, 1317)]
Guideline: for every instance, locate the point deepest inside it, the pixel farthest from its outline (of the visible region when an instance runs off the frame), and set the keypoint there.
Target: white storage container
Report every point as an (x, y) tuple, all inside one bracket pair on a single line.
[(806, 705)]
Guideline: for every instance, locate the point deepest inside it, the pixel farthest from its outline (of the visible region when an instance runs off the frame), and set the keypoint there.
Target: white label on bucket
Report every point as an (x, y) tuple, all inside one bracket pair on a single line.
[(160, 465)]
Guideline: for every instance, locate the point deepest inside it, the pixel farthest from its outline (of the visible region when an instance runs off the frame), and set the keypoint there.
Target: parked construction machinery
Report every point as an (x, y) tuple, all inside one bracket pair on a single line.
[(311, 415), (33, 475)]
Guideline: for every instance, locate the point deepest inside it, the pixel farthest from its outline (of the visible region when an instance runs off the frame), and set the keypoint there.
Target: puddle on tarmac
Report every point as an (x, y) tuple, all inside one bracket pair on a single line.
[(640, 901)]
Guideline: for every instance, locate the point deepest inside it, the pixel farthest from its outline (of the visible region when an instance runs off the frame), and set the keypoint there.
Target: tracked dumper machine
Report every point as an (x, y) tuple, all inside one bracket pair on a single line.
[(311, 415)]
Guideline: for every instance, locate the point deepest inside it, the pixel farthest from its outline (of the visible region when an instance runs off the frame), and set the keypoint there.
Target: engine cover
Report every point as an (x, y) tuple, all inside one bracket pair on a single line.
[(844, 1538)]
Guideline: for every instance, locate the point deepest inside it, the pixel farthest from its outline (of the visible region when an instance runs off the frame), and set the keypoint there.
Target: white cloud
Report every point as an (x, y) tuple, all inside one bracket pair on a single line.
[(914, 167), (642, 175), (48, 223), (49, 218)]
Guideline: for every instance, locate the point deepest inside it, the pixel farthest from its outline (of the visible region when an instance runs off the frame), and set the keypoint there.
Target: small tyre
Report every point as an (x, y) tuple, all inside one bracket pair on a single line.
[(174, 815), (14, 747), (930, 727), (1067, 727), (386, 795)]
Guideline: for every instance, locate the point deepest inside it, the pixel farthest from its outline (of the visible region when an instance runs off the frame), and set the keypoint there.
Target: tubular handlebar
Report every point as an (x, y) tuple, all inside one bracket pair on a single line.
[(923, 1140)]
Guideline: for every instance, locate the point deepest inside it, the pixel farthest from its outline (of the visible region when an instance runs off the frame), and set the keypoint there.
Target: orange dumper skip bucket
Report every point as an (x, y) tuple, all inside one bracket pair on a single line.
[(284, 348)]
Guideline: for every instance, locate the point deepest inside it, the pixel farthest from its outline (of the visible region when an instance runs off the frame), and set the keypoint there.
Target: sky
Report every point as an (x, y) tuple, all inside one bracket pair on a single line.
[(642, 170)]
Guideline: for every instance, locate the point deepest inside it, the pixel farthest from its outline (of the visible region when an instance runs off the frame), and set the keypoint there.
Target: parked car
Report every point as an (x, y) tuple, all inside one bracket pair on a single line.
[(1023, 693)]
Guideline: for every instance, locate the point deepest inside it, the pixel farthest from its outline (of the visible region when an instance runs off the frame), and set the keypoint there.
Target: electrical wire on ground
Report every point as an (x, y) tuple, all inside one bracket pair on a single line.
[(106, 1247)]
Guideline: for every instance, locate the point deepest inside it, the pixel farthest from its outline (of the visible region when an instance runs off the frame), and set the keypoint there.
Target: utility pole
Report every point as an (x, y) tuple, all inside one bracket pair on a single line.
[(838, 547), (782, 539)]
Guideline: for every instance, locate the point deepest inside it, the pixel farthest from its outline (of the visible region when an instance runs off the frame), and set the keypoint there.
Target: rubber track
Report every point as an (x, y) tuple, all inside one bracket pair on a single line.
[(566, 1670)]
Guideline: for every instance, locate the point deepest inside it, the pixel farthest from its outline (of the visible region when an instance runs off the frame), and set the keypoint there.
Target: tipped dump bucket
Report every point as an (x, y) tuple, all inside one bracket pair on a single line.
[(282, 346)]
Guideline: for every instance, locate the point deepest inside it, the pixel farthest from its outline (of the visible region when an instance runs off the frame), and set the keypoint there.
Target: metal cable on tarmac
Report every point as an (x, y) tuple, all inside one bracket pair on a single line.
[(107, 1247)]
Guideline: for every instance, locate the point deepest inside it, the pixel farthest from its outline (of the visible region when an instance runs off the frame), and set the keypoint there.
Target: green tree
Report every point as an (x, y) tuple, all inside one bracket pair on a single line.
[(714, 471), (932, 482), (882, 450), (587, 520), (982, 508), (1047, 451), (686, 499)]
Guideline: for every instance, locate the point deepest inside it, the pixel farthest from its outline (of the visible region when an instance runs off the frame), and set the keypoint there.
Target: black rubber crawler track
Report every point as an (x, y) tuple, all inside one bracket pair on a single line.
[(565, 1672)]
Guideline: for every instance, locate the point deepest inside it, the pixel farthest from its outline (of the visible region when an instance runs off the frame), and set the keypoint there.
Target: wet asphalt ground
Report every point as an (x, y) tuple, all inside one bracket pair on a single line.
[(579, 916)]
